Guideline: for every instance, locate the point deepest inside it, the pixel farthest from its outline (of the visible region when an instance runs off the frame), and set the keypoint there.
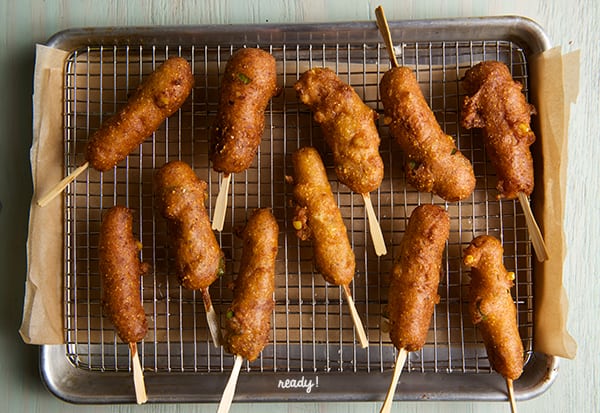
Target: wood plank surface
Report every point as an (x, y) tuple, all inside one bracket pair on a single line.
[(23, 23)]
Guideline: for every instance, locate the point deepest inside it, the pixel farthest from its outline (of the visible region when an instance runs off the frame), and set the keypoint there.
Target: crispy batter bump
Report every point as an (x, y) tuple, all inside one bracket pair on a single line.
[(496, 104), (248, 320), (434, 163), (157, 98), (416, 275), (249, 83), (348, 127), (180, 197), (318, 218), (491, 305), (120, 270)]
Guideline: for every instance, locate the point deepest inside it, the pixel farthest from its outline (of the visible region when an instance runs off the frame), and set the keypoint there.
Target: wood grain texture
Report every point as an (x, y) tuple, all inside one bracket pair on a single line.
[(572, 24)]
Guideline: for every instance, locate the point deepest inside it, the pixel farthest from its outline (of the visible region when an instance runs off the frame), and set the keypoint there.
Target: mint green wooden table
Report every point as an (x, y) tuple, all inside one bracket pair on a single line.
[(572, 24)]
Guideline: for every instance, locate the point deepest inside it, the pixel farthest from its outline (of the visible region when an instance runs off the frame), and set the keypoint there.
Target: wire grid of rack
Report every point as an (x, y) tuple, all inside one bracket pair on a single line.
[(312, 330)]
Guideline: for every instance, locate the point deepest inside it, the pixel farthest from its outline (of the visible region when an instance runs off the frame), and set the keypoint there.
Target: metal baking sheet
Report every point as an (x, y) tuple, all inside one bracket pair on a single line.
[(313, 354)]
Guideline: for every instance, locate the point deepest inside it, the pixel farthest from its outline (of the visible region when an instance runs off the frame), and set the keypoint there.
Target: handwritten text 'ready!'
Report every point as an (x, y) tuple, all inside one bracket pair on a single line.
[(301, 383)]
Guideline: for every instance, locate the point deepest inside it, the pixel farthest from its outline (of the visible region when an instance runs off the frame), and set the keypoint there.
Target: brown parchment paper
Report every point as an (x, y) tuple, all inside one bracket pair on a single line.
[(43, 307), (555, 88)]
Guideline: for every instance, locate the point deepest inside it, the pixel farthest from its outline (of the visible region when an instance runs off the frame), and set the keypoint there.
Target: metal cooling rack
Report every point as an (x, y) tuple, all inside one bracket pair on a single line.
[(312, 331)]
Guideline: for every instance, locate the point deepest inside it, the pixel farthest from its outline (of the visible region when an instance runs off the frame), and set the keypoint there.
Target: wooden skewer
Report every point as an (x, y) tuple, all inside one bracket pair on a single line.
[(539, 246), (229, 391), (211, 318), (511, 395), (384, 29), (138, 375), (362, 336), (374, 227), (59, 187), (389, 398), (221, 204)]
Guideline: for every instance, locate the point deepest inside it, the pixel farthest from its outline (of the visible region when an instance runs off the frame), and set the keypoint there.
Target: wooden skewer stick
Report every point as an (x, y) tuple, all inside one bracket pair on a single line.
[(221, 204), (211, 318), (374, 227), (511, 395), (389, 398), (384, 29), (138, 375), (59, 187), (539, 246), (229, 391), (362, 336)]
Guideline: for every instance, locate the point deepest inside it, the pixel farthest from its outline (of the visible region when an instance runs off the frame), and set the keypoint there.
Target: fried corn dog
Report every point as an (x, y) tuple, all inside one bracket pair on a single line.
[(180, 198), (496, 104), (199, 261), (120, 269), (249, 317), (348, 127), (319, 219), (434, 163), (157, 98), (491, 305), (416, 276), (249, 83)]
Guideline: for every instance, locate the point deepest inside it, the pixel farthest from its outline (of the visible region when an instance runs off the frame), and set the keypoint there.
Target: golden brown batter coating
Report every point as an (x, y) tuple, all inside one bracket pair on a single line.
[(434, 162), (496, 104), (249, 83), (120, 269), (318, 218), (157, 98), (416, 276), (180, 197), (249, 317), (348, 127), (491, 305)]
